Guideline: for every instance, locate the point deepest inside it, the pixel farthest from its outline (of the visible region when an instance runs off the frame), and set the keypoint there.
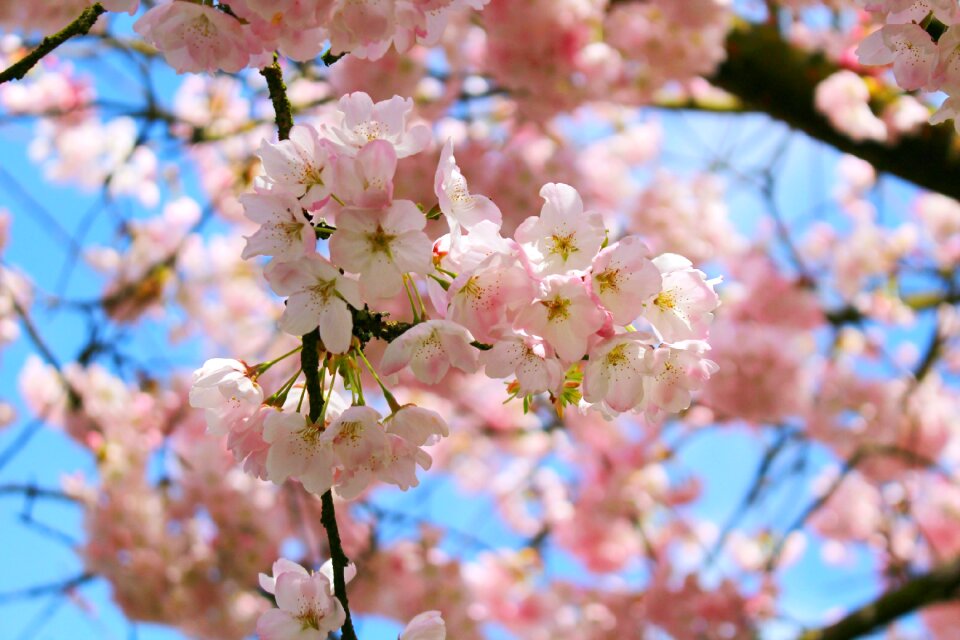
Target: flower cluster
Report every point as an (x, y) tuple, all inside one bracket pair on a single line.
[(554, 307), (308, 610), (922, 57), (206, 37)]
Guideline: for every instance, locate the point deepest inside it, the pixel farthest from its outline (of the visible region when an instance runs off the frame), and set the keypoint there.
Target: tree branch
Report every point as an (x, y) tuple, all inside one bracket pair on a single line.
[(310, 363), (938, 585), (770, 75), (80, 26), (278, 96)]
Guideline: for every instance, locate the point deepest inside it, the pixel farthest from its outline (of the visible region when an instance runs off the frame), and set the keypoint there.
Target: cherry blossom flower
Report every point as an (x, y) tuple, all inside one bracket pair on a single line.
[(911, 50), (299, 165), (466, 251), (224, 389), (428, 625), (616, 371), (430, 349), (844, 98), (299, 449), (363, 122), (364, 27), (530, 359), (623, 279), (306, 607), (124, 6), (563, 237), (409, 429), (366, 180), (292, 27), (381, 246), (360, 445), (564, 315), (460, 207), (676, 370), (319, 295), (683, 308), (284, 231), (195, 37), (247, 445), (946, 76), (488, 298)]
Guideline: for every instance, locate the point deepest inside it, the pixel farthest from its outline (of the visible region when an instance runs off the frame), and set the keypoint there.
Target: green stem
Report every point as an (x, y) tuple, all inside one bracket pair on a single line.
[(413, 305), (280, 395), (261, 368), (394, 405)]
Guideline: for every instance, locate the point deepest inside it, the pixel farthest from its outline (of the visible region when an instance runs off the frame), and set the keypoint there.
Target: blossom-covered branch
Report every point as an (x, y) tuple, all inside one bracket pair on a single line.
[(771, 76)]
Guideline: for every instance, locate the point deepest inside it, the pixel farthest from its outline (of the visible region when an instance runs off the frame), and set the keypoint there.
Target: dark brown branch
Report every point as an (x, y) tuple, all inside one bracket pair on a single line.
[(938, 585), (32, 492), (310, 363), (80, 26), (770, 75)]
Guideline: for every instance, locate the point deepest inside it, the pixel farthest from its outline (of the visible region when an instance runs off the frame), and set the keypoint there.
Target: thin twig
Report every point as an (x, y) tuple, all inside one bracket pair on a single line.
[(79, 27)]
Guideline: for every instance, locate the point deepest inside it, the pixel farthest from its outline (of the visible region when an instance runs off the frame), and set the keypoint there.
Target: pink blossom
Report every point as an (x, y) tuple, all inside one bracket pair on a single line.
[(195, 37), (360, 446), (299, 165), (624, 279), (430, 349), (530, 359), (616, 371), (319, 295), (224, 389), (381, 246), (364, 27), (563, 237), (366, 180), (946, 76), (488, 298), (408, 429), (284, 231), (683, 308), (248, 446), (306, 608), (463, 252), (299, 449), (844, 98), (457, 204), (685, 216), (363, 122), (852, 512), (910, 49), (676, 371), (564, 315), (428, 625), (292, 27), (127, 6)]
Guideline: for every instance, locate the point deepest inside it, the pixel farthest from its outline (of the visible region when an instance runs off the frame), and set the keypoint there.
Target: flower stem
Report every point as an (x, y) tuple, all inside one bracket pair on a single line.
[(394, 405)]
